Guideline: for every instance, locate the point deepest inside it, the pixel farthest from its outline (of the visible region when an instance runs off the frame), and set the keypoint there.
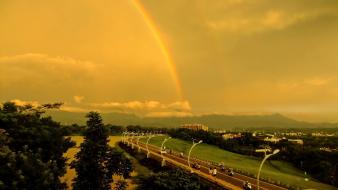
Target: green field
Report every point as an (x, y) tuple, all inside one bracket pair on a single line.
[(275, 170)]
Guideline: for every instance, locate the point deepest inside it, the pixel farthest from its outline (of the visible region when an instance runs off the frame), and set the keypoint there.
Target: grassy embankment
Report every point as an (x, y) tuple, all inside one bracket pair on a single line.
[(275, 170)]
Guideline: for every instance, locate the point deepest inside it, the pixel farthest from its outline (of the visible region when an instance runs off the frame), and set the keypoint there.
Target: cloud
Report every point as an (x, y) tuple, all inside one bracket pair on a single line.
[(74, 109), (169, 114), (319, 81), (179, 105), (22, 102), (258, 18), (65, 107), (40, 68), (144, 106), (78, 99), (308, 82), (150, 108), (271, 19)]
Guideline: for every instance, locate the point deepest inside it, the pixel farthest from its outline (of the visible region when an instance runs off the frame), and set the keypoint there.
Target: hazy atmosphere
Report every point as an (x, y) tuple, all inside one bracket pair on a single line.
[(169, 94), (173, 58)]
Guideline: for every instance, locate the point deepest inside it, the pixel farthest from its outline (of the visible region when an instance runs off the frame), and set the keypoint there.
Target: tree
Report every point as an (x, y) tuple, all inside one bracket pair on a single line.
[(96, 161), (119, 164), (115, 129), (171, 180), (31, 148), (121, 185)]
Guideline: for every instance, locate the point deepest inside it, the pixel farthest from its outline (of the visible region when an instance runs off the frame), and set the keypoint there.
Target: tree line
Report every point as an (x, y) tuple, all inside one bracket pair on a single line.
[(32, 147)]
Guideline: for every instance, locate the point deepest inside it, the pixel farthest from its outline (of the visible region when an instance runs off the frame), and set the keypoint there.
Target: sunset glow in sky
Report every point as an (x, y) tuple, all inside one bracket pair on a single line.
[(173, 57)]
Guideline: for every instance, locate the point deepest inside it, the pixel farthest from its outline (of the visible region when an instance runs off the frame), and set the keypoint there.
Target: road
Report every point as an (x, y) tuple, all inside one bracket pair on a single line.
[(229, 182)]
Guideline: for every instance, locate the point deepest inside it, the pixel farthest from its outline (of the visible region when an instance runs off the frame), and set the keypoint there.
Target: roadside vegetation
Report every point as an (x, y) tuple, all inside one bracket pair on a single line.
[(33, 149), (273, 171), (97, 162), (166, 177), (321, 165), (307, 158)]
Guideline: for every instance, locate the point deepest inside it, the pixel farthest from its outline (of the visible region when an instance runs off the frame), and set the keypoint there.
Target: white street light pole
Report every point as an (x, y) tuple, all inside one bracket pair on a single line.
[(193, 145), (165, 140), (150, 136), (265, 150), (132, 144), (124, 137), (260, 167), (138, 145), (127, 138)]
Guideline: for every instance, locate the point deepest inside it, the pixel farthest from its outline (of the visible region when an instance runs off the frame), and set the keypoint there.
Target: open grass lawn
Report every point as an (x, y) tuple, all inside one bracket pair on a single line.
[(276, 170), (69, 176)]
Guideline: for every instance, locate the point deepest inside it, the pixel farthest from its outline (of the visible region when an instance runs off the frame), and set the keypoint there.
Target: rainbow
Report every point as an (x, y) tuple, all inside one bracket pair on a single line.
[(164, 49)]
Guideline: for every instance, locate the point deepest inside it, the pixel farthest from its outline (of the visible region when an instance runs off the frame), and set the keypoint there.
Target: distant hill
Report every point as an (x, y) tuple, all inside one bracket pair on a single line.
[(212, 121)]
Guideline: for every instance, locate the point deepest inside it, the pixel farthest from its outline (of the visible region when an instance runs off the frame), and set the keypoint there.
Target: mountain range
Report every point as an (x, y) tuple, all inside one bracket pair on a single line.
[(215, 121)]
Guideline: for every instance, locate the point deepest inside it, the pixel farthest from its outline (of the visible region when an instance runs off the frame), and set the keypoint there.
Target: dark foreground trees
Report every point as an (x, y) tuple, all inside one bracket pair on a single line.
[(31, 148), (96, 161), (175, 179)]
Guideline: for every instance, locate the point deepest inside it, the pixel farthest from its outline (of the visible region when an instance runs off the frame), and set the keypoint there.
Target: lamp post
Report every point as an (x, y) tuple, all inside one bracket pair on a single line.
[(193, 145), (132, 144), (137, 142), (128, 138), (133, 140), (265, 150), (165, 140), (150, 136), (123, 134), (260, 167), (124, 137)]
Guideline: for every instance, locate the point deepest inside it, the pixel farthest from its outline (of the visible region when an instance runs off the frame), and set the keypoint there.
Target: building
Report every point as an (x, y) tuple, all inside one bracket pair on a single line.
[(195, 127), (297, 141), (272, 139), (327, 149), (319, 134), (231, 136)]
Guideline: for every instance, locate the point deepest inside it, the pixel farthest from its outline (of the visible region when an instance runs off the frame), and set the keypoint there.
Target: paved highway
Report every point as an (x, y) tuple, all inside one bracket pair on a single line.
[(233, 182)]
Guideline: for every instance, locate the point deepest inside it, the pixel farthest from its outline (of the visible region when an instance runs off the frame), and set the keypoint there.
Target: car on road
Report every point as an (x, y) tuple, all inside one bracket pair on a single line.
[(231, 172), (196, 166), (247, 186)]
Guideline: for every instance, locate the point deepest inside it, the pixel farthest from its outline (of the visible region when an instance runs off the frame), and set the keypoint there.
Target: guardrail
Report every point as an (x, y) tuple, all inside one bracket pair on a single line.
[(169, 161), (245, 175)]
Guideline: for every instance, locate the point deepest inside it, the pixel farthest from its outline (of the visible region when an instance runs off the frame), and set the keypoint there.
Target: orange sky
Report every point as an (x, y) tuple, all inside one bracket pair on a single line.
[(177, 57)]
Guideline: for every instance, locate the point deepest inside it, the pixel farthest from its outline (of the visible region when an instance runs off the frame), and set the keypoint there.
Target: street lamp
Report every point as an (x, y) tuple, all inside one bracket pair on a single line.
[(150, 136), (265, 150), (123, 133), (260, 167), (136, 136), (128, 138), (124, 137), (133, 136), (137, 142), (193, 145), (165, 140)]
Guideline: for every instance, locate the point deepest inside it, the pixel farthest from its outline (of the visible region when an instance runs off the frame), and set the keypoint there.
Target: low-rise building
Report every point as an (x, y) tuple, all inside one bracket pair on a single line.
[(272, 139), (195, 127), (297, 141), (319, 134), (326, 149), (231, 135)]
